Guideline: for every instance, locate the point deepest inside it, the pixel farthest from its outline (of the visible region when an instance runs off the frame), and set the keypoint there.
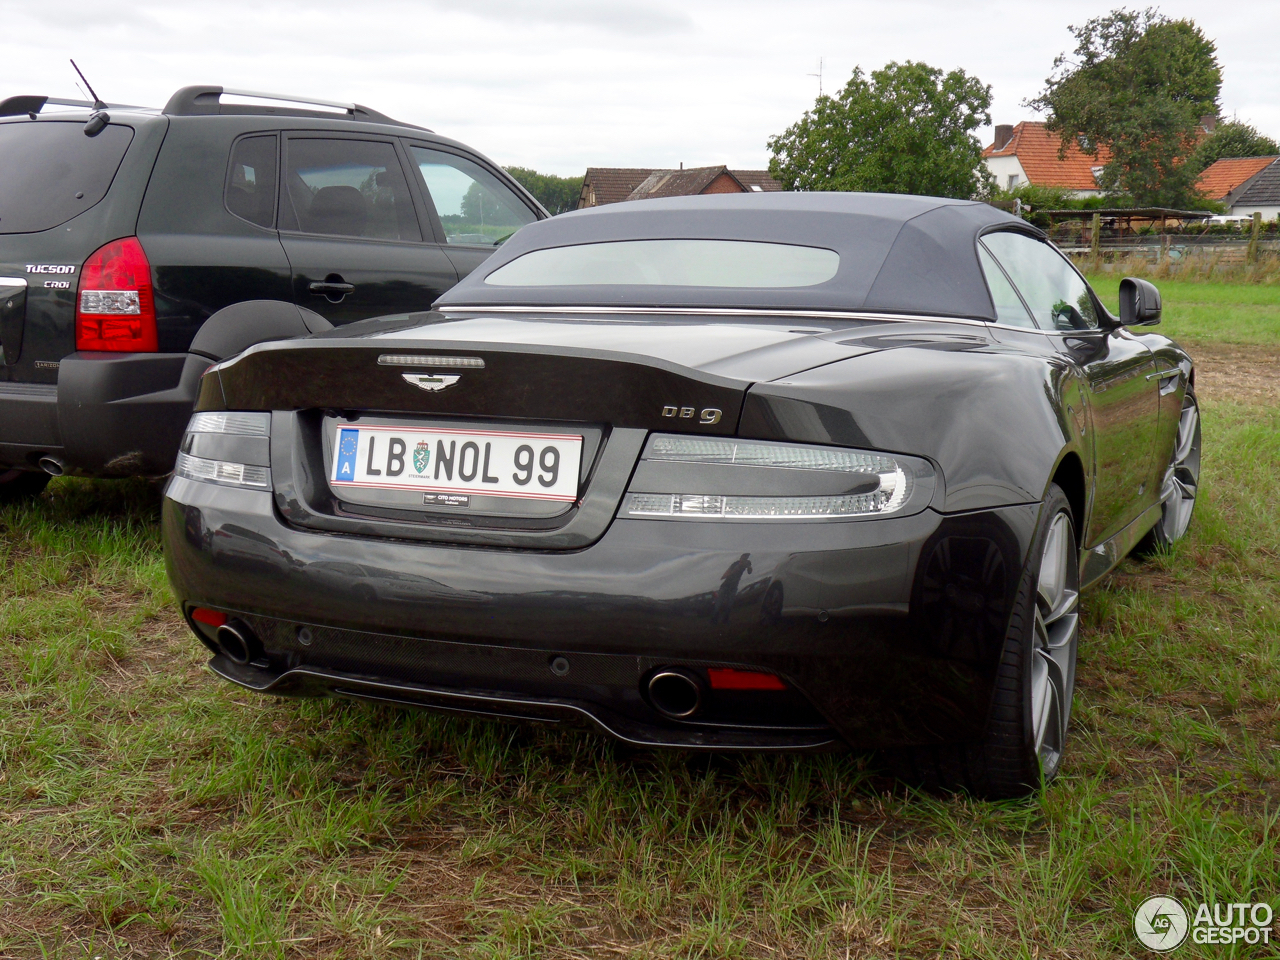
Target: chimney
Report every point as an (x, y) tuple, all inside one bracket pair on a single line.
[(1209, 123), (1004, 133)]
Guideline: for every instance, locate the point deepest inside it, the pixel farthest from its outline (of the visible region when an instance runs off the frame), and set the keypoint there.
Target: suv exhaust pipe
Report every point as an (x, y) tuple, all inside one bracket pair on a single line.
[(52, 466), (676, 694)]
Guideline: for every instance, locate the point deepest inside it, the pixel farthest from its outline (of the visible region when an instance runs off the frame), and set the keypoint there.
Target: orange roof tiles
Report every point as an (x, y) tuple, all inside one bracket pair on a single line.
[(1037, 150), (1223, 176)]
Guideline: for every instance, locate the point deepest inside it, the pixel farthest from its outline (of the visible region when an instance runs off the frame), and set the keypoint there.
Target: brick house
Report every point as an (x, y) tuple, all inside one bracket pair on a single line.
[(614, 184)]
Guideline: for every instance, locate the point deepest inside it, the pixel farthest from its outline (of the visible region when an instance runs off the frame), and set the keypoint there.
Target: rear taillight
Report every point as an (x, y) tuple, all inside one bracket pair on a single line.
[(115, 309)]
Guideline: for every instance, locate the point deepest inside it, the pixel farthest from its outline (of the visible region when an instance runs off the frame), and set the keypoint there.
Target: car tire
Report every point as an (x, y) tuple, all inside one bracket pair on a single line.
[(1026, 731), (1181, 482), (18, 485)]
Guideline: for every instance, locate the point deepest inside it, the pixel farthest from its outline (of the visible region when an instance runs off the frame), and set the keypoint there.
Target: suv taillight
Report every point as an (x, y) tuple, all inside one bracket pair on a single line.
[(115, 309)]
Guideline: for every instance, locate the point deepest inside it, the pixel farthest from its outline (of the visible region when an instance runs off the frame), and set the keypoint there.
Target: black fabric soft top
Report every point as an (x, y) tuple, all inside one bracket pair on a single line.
[(898, 254)]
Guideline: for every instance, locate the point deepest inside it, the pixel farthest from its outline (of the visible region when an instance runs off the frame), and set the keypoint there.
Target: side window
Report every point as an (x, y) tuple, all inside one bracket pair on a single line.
[(1059, 299), (1009, 308), (474, 206), (251, 180), (347, 188)]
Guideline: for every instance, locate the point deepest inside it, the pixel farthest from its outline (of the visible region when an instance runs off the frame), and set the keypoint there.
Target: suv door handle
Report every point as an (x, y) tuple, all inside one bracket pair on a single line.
[(329, 288)]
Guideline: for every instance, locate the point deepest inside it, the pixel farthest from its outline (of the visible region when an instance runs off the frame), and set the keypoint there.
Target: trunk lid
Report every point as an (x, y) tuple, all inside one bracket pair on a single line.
[(609, 382), (57, 206)]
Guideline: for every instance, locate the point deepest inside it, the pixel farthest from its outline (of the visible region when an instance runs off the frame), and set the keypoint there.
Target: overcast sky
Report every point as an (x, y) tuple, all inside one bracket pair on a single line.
[(563, 84)]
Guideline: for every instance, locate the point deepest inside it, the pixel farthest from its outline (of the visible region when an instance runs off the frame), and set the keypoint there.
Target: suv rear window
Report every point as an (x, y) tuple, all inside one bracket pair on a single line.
[(53, 172)]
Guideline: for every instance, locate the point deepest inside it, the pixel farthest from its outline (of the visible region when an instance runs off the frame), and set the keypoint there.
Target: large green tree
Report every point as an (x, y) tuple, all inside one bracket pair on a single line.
[(557, 194), (1138, 84), (1234, 139), (908, 128)]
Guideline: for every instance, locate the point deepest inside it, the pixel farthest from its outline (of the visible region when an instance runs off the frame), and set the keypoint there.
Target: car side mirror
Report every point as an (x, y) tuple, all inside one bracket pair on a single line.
[(1139, 303)]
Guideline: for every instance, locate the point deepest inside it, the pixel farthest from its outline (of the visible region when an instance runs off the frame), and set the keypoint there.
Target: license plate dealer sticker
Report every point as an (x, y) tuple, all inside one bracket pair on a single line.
[(538, 466)]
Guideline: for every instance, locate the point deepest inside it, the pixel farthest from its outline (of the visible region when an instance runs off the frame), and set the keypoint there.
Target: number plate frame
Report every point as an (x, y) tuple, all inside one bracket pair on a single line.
[(494, 478)]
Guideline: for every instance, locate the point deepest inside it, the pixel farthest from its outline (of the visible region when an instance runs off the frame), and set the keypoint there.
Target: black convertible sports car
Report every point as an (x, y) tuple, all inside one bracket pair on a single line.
[(763, 472)]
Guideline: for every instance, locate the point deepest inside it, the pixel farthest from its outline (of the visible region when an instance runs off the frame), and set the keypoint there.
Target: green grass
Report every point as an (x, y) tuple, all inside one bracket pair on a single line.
[(1196, 311), (150, 810)]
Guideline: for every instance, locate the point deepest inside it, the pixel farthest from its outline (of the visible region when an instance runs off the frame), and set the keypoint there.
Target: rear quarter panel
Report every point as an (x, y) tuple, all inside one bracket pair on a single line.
[(997, 424)]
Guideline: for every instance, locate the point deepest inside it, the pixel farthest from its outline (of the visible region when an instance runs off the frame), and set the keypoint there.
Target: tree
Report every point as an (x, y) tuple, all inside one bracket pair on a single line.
[(908, 128), (557, 194), (1233, 139), (1138, 85)]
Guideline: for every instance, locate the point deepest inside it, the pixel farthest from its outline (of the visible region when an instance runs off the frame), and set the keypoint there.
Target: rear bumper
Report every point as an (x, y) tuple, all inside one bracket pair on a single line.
[(109, 415), (886, 632)]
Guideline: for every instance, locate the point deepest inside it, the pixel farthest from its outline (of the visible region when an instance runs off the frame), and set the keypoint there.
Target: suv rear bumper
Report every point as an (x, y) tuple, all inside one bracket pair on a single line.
[(109, 415)]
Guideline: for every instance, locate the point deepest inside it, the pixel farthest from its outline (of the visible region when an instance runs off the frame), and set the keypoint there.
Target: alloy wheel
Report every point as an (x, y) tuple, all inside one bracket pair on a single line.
[(1182, 479), (1057, 627)]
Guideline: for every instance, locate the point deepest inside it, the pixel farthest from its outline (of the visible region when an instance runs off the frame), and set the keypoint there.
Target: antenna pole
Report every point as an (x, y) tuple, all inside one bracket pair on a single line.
[(97, 101), (818, 75)]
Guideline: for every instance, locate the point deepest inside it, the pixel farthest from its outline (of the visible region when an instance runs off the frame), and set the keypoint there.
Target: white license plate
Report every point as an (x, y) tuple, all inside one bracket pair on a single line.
[(496, 463)]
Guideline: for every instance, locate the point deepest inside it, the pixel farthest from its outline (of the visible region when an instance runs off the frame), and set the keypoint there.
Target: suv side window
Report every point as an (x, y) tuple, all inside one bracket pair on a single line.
[(347, 188), (474, 206), (251, 180), (1057, 296)]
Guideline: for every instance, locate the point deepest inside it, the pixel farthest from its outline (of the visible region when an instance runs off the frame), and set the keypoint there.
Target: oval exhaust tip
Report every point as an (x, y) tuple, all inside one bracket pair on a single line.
[(675, 693), (52, 466), (236, 642)]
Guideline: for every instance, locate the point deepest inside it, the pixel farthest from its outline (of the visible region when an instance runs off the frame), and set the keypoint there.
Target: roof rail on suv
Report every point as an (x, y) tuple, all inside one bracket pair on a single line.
[(205, 100)]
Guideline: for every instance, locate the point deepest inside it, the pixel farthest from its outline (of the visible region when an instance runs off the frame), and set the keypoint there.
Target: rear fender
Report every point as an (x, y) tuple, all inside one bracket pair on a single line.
[(997, 425), (235, 328)]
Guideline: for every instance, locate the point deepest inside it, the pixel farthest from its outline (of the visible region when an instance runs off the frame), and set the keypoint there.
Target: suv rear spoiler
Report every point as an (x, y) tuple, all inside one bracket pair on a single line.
[(32, 103)]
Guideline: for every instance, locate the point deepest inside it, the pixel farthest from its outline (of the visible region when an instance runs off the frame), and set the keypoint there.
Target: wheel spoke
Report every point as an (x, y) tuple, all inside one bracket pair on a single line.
[(1186, 432), (1054, 565), (1054, 732), (1053, 642)]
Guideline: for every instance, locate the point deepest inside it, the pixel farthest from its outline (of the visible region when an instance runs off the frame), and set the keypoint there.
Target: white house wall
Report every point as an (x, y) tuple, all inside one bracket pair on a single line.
[(1002, 168), (1269, 212)]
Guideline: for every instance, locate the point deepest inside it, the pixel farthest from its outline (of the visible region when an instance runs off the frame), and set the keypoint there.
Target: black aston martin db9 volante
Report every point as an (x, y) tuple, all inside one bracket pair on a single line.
[(769, 472)]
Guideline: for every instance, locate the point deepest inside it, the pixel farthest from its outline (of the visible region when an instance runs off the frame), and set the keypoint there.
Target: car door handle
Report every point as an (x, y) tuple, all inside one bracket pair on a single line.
[(327, 288)]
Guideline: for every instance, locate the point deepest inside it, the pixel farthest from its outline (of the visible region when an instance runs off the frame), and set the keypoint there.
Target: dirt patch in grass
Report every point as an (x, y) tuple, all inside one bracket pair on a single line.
[(1237, 374)]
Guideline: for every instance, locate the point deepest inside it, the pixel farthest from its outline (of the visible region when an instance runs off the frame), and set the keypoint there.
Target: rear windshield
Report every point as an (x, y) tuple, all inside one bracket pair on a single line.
[(52, 172), (671, 263)]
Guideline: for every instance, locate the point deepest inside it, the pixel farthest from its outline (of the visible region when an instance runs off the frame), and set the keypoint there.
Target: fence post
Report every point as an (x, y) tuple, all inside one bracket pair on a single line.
[(1095, 240), (1251, 256)]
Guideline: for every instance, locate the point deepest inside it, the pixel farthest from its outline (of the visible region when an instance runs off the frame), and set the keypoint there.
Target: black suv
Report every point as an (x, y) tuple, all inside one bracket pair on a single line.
[(128, 234)]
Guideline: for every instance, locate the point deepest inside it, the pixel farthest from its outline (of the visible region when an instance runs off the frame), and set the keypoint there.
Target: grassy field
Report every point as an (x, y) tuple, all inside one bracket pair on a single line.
[(150, 810)]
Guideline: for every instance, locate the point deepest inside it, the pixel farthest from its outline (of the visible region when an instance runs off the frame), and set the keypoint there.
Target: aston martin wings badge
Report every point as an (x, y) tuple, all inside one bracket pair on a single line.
[(435, 382)]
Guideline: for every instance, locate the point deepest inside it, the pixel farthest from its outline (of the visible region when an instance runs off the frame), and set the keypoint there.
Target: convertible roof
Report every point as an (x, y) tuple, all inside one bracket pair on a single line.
[(898, 254)]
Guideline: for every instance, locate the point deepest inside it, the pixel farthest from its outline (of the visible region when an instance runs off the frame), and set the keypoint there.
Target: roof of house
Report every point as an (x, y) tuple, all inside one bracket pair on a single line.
[(681, 183), (1223, 176), (757, 178), (613, 184), (1037, 150), (1263, 189)]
